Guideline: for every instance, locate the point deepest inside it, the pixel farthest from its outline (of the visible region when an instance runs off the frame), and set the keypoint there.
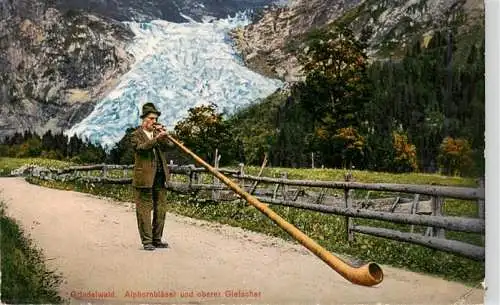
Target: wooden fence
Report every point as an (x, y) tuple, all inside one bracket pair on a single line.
[(415, 205)]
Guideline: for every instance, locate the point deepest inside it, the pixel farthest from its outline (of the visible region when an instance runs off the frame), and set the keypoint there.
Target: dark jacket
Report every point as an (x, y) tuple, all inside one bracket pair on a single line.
[(144, 165)]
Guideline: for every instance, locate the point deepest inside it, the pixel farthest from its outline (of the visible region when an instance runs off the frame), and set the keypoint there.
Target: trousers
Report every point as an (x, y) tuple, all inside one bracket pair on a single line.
[(147, 200)]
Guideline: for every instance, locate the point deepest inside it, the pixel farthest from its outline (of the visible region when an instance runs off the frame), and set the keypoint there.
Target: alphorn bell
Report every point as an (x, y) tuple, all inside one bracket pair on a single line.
[(369, 274)]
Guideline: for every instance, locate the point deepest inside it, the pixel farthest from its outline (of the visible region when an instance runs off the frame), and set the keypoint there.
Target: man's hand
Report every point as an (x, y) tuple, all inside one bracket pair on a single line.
[(162, 134)]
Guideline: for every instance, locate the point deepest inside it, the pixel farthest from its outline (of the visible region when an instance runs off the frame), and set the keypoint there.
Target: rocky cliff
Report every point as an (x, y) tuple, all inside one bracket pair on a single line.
[(55, 65), (270, 45), (264, 44), (170, 10)]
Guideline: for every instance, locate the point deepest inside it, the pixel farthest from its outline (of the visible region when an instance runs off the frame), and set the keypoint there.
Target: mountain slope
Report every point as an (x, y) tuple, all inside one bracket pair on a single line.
[(55, 65), (169, 10), (389, 25), (271, 44), (264, 44)]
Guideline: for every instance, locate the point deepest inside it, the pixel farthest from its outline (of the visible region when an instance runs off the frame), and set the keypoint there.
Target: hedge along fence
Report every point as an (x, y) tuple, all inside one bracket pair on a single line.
[(303, 194)]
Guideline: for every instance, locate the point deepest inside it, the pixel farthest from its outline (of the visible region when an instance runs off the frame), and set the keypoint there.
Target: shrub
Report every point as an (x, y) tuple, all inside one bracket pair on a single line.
[(405, 159), (52, 154), (352, 145), (455, 156)]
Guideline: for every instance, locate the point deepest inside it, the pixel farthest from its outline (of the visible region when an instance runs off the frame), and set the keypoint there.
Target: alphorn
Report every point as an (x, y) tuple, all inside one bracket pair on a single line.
[(369, 274)]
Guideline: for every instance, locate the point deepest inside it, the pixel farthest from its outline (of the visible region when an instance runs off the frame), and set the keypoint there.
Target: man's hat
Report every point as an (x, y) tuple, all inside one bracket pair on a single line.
[(149, 108)]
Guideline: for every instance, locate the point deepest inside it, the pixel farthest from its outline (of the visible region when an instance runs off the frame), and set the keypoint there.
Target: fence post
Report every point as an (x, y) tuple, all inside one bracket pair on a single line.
[(414, 209), (104, 171), (276, 187), (348, 204), (216, 182), (199, 176), (366, 199), (284, 189), (191, 177), (480, 202), (242, 173), (437, 210)]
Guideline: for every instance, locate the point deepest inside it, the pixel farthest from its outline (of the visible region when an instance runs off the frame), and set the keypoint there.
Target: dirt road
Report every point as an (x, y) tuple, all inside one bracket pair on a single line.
[(94, 243)]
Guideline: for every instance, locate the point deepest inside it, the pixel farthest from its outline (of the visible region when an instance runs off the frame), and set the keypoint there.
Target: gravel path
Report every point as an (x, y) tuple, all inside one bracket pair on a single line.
[(94, 243)]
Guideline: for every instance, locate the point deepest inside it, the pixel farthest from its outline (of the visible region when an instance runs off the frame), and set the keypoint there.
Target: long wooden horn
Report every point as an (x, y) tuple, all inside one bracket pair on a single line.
[(369, 274)]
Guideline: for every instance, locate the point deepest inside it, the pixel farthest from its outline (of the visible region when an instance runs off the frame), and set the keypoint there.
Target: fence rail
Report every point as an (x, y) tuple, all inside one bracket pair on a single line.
[(412, 211), (452, 246), (445, 191)]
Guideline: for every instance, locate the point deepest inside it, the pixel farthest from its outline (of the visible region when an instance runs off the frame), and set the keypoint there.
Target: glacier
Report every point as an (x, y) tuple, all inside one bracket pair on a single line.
[(177, 66)]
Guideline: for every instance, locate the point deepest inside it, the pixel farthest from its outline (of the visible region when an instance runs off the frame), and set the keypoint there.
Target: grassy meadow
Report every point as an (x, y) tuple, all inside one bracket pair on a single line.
[(25, 277), (327, 229)]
